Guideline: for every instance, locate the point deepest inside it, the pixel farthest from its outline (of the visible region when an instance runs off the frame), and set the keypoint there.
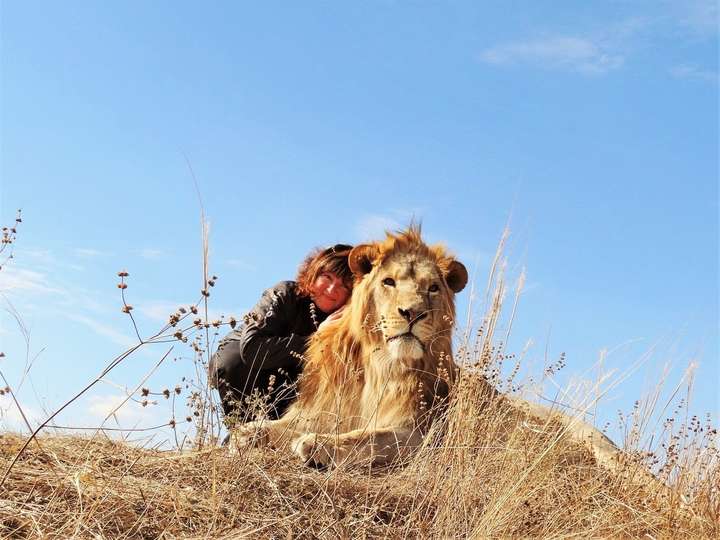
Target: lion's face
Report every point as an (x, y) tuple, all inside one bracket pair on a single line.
[(409, 297), (409, 304)]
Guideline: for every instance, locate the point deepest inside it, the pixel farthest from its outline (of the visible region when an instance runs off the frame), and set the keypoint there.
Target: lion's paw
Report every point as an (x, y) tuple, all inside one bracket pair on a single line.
[(313, 451), (251, 435)]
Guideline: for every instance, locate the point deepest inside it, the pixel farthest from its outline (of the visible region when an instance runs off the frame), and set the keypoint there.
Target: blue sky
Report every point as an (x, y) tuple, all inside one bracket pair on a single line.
[(591, 127)]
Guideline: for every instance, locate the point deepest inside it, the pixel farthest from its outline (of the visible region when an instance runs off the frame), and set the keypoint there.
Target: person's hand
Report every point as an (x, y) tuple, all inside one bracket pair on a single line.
[(334, 316)]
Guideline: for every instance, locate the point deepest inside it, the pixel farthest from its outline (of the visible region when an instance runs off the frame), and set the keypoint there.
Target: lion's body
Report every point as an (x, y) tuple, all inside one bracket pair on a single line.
[(374, 379)]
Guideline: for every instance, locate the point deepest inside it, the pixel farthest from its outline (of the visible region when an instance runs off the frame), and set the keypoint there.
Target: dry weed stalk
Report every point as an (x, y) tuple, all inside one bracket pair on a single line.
[(7, 242)]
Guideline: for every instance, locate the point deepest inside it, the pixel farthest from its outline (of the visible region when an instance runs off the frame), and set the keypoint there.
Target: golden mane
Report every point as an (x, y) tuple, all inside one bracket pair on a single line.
[(340, 354)]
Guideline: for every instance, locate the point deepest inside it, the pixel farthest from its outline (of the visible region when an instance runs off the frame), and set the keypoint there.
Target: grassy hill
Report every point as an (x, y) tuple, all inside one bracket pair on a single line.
[(481, 474)]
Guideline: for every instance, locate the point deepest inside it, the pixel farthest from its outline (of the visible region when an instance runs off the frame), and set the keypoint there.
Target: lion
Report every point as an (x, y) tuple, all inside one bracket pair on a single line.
[(375, 379)]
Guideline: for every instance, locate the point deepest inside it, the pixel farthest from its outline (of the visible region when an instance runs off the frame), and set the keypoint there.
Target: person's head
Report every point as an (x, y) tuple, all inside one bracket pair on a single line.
[(325, 277)]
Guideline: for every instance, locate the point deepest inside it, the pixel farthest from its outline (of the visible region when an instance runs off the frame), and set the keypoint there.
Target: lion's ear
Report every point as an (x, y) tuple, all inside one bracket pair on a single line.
[(457, 276), (361, 258)]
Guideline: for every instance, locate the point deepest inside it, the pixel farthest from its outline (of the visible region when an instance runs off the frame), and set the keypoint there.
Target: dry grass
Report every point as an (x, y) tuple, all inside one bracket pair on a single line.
[(485, 476), (483, 472)]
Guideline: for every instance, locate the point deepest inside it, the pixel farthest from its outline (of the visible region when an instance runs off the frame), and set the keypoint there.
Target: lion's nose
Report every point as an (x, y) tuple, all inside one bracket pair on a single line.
[(411, 315)]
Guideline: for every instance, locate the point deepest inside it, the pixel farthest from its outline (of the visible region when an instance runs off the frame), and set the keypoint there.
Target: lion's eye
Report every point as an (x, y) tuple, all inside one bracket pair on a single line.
[(434, 288), (390, 282)]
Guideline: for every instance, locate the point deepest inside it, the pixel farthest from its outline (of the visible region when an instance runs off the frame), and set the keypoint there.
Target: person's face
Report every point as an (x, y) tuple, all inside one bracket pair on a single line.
[(329, 292)]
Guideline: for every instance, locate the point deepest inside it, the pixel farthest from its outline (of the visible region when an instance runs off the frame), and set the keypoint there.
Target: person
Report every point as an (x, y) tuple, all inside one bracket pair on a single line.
[(256, 366)]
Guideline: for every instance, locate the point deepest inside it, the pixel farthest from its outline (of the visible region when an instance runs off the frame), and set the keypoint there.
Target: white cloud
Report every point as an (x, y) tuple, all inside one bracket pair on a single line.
[(12, 420), (131, 416), (104, 330), (35, 291), (152, 254), (558, 52), (39, 255), (14, 279), (45, 259), (699, 16), (472, 257), (601, 50), (373, 227), (130, 412), (160, 310), (693, 72), (90, 253), (240, 264)]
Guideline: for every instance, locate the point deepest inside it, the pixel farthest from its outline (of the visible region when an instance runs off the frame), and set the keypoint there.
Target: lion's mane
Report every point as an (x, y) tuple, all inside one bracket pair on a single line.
[(347, 381)]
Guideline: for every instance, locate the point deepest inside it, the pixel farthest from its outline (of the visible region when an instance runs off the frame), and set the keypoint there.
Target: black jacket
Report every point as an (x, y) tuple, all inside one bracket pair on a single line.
[(273, 335)]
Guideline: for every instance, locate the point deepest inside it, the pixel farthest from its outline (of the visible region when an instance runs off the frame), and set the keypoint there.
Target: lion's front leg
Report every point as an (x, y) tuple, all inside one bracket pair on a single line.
[(381, 446), (261, 433)]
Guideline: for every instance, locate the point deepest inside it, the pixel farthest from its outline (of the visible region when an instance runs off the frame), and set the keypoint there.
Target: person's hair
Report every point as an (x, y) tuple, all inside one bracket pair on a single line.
[(332, 259)]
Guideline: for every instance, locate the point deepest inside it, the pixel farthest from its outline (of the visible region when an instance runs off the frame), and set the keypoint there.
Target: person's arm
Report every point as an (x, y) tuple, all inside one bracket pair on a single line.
[(264, 342)]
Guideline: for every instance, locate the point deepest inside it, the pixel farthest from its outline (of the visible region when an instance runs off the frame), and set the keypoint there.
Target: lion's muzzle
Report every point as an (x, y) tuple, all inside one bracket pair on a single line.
[(412, 316)]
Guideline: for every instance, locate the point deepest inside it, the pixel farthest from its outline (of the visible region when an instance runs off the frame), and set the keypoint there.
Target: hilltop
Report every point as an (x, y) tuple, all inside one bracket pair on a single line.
[(484, 477)]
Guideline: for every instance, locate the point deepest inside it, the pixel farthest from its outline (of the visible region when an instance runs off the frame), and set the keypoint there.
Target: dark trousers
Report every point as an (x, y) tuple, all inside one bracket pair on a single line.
[(247, 393)]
